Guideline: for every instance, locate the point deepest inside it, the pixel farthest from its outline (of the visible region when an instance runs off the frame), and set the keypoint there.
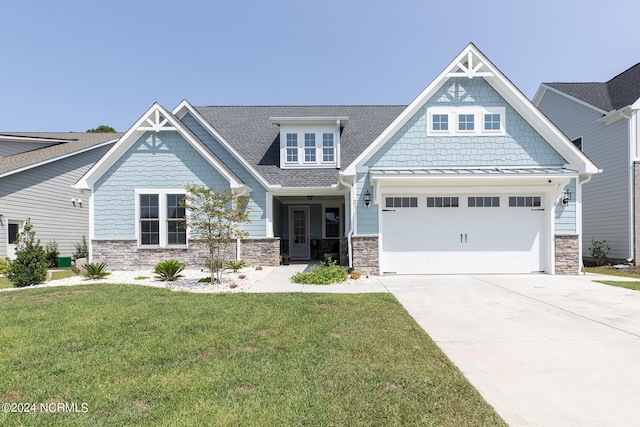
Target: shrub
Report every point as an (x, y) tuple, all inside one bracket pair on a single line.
[(168, 270), (322, 275), (82, 250), (355, 274), (599, 251), (96, 270), (207, 280), (234, 265), (52, 253), (30, 266), (4, 266)]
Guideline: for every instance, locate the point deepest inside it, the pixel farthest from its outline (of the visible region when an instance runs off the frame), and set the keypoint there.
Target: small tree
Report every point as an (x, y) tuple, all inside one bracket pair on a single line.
[(215, 219), (82, 249), (30, 266), (52, 253), (102, 129)]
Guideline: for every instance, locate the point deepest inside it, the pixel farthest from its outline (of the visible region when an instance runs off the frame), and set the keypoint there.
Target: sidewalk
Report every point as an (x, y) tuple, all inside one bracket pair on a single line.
[(278, 281)]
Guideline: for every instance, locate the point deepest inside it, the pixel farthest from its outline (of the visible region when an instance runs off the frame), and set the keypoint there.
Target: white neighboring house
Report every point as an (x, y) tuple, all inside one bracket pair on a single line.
[(602, 120), (37, 174)]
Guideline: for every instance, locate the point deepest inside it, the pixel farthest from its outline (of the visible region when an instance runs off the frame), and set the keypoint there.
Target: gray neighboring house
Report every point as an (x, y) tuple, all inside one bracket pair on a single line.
[(37, 174), (601, 118)]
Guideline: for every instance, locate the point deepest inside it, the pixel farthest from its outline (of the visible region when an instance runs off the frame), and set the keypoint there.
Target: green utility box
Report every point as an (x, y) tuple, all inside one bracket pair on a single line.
[(64, 261)]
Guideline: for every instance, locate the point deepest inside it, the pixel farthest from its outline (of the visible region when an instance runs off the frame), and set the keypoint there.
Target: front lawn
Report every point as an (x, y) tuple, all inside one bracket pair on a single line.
[(617, 272), (146, 356)]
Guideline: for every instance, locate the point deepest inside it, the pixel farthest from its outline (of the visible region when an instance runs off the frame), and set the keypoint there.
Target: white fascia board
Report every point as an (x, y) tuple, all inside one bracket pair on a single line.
[(308, 191), (55, 159), (185, 107), (309, 120)]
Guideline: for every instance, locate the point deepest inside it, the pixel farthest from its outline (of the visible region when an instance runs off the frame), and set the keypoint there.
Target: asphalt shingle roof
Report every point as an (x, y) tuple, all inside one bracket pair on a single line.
[(75, 142), (620, 91), (249, 131)]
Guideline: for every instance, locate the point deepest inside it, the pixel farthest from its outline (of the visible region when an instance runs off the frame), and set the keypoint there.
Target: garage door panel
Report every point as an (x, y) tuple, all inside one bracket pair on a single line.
[(428, 240)]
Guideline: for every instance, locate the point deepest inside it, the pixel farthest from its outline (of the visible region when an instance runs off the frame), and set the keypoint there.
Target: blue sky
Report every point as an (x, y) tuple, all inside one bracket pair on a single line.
[(73, 65)]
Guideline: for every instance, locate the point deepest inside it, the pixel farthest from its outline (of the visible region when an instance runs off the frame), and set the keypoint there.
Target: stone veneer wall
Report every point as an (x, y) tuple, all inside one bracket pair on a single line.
[(567, 254), (126, 255), (636, 213), (365, 254)]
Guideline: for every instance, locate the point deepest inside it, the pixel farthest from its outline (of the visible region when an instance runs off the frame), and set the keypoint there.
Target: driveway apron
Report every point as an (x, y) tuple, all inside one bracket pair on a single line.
[(543, 350)]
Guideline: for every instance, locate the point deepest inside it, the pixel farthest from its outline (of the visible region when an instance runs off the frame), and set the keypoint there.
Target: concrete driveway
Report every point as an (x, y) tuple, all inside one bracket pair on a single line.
[(542, 350)]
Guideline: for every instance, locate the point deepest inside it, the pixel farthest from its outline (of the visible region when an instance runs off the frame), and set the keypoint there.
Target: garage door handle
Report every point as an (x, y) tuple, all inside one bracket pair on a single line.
[(460, 237), (465, 237), (388, 210)]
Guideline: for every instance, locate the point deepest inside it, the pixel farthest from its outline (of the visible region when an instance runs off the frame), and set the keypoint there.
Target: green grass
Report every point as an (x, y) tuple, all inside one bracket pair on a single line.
[(147, 356), (62, 274), (612, 272), (5, 283), (628, 285)]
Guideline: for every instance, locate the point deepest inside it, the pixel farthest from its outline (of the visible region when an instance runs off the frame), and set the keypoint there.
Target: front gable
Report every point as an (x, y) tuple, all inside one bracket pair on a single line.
[(515, 143), (471, 80)]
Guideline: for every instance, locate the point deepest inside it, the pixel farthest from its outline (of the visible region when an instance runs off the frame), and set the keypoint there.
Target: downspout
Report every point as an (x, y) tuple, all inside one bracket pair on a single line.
[(631, 192), (579, 224), (351, 215)]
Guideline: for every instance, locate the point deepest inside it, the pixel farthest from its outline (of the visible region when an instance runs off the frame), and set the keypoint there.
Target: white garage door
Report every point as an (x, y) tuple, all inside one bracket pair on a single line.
[(461, 234)]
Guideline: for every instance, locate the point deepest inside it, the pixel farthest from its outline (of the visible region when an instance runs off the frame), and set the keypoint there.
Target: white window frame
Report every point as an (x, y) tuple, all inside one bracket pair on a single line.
[(331, 147), (318, 131), (310, 150), (454, 114), (162, 216)]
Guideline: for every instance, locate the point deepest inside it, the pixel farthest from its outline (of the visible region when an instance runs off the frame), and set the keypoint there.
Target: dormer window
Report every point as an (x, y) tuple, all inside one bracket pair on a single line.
[(309, 142), (463, 120)]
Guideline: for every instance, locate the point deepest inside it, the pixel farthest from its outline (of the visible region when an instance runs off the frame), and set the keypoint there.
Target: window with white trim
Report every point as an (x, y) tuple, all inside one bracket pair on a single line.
[(328, 153), (462, 120), (331, 222), (292, 148), (161, 218), (466, 122), (310, 147)]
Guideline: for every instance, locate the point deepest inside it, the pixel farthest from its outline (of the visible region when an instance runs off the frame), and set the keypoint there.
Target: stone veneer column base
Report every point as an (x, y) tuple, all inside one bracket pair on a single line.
[(126, 255), (257, 252), (366, 257), (567, 254)]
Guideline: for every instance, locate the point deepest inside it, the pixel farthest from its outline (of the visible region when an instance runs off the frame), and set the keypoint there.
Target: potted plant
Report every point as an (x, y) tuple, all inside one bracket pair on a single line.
[(285, 258)]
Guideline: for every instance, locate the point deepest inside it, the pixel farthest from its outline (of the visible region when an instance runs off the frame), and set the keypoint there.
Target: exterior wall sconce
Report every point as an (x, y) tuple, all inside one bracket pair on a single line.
[(367, 199), (566, 198)]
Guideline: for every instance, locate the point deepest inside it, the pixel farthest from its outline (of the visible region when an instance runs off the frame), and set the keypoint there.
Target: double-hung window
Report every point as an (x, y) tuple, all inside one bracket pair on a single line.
[(440, 122), (161, 218), (328, 152), (292, 148), (492, 121), (310, 147)]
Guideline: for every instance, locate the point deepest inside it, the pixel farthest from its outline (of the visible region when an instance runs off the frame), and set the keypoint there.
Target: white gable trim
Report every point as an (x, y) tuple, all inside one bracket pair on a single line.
[(55, 159), (544, 88), (157, 118), (185, 107), (576, 159)]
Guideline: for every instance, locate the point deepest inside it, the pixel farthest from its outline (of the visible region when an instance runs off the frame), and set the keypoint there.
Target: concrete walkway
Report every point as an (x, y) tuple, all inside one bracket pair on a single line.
[(542, 350), (278, 281)]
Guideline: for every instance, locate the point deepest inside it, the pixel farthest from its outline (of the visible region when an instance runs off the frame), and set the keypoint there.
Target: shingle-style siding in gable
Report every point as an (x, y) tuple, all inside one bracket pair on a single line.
[(155, 160), (44, 194), (565, 216), (521, 146), (605, 205), (257, 202)]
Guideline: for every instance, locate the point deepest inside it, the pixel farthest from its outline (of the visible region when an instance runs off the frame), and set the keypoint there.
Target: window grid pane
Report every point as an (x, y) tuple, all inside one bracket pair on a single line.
[(483, 201), (466, 122), (440, 122), (443, 202), (401, 202), (310, 147), (327, 147), (492, 122), (525, 201)]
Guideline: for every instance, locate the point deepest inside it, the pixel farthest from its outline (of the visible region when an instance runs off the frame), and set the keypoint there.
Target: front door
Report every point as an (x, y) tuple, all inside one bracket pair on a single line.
[(13, 230), (299, 232)]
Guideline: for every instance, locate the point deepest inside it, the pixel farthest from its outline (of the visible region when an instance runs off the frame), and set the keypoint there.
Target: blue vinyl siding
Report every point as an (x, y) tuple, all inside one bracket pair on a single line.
[(367, 217), (520, 146), (258, 200), (155, 160), (565, 216)]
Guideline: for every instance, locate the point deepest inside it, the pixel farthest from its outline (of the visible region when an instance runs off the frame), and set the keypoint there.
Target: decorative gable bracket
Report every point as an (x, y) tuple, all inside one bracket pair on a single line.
[(470, 68), (156, 122)]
